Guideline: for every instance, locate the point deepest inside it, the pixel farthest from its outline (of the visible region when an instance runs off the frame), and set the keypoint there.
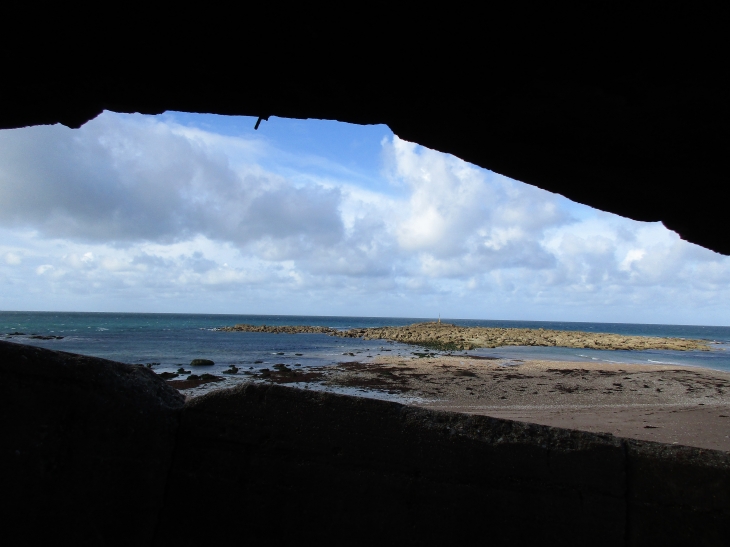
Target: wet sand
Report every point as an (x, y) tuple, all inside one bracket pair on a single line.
[(669, 404), (665, 403)]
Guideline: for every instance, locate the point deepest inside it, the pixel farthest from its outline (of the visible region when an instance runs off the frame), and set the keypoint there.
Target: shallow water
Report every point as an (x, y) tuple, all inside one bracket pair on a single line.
[(173, 340), (717, 359)]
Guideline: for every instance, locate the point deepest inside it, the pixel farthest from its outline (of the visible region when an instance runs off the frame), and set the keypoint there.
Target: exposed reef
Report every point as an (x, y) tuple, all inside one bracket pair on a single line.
[(444, 336), (282, 329)]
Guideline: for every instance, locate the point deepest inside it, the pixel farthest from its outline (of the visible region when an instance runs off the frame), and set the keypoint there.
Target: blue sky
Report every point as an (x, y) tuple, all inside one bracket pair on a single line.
[(200, 213)]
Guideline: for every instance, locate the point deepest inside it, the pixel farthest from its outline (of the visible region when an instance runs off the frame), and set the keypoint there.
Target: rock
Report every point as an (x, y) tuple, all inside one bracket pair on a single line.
[(168, 375), (444, 336), (231, 370), (181, 370), (283, 369), (193, 377), (447, 337), (201, 363), (298, 329)]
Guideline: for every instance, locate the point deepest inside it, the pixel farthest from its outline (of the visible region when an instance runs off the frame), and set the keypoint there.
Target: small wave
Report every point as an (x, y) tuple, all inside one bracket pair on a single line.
[(101, 328), (661, 362)]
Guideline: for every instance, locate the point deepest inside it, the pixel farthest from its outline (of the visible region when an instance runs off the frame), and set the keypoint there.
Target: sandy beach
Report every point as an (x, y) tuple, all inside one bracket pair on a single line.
[(666, 403), (669, 404)]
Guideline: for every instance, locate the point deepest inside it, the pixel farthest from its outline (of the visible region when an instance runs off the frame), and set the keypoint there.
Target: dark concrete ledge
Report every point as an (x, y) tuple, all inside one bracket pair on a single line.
[(104, 453), (85, 447), (329, 468)]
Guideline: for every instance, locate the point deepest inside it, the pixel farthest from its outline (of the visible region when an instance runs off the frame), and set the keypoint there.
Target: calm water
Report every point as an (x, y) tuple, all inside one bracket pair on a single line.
[(175, 339)]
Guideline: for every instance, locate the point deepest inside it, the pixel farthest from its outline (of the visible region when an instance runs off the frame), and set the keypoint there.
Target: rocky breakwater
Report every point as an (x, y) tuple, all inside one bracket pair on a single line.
[(445, 336), (283, 329)]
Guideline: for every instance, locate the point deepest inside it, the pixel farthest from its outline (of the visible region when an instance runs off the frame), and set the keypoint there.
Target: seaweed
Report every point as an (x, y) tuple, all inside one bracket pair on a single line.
[(443, 346)]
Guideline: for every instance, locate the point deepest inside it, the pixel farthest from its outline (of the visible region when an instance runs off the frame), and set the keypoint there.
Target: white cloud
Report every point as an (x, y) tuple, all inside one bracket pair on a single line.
[(13, 259), (129, 212), (42, 269), (124, 181)]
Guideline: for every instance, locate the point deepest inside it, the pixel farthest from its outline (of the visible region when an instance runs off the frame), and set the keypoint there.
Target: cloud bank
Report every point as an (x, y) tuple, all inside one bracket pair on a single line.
[(145, 214)]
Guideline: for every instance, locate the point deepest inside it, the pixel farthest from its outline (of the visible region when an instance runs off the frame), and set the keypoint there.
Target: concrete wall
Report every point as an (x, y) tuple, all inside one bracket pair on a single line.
[(85, 448), (129, 464)]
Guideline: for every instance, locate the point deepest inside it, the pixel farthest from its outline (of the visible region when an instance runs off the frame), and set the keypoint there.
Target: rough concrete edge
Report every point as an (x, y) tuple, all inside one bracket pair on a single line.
[(153, 540), (120, 376), (668, 476), (468, 425), (170, 398), (501, 430), (557, 445)]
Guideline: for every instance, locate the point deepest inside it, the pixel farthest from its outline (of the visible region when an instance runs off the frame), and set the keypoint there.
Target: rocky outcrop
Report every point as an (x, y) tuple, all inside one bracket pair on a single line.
[(445, 336), (281, 329), (100, 453), (201, 363)]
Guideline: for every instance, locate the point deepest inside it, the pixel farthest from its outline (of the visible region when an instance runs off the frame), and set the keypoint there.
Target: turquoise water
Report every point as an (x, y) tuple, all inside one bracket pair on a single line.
[(175, 339)]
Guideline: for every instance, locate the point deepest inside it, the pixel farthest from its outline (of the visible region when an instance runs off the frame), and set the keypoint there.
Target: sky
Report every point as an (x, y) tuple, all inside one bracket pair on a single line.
[(200, 213)]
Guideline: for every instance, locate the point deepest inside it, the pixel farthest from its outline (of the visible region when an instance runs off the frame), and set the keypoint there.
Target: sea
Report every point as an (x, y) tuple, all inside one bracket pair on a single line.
[(168, 341)]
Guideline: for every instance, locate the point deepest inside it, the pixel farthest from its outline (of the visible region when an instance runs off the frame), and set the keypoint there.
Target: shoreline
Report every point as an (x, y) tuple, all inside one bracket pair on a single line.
[(665, 403)]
